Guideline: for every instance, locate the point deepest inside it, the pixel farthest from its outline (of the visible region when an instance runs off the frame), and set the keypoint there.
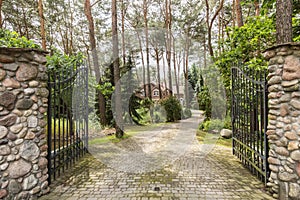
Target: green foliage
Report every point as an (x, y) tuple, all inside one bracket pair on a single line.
[(106, 88), (210, 138), (196, 81), (62, 63), (204, 100), (13, 39), (130, 102), (296, 28), (134, 105), (173, 108), (147, 103), (143, 111), (194, 78), (245, 44), (62, 67), (210, 125), (227, 122)]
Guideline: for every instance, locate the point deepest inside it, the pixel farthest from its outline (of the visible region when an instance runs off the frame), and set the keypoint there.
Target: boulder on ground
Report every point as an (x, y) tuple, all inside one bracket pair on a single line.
[(109, 131), (226, 133)]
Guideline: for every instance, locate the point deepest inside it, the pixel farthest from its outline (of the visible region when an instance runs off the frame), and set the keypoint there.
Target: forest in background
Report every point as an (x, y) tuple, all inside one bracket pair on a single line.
[(170, 43)]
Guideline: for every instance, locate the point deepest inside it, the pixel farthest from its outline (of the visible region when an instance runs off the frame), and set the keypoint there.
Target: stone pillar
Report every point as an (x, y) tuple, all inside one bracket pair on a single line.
[(284, 120), (23, 103)]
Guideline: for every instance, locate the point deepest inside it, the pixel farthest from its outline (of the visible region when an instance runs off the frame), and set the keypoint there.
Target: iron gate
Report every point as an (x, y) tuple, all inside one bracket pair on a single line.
[(250, 119), (67, 131)]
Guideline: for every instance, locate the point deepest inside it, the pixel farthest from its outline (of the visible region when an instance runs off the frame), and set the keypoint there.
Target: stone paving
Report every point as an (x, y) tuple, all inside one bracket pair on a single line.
[(201, 171)]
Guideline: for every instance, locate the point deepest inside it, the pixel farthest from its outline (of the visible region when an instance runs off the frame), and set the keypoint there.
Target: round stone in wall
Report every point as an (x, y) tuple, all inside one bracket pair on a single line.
[(4, 150), (29, 182), (3, 131), (43, 92), (16, 128), (11, 67), (12, 137), (14, 187), (29, 150), (291, 68), (294, 190), (24, 104), (26, 72), (7, 99), (11, 83), (33, 83), (40, 58), (18, 169), (3, 193), (295, 155), (6, 59), (32, 121), (4, 166), (2, 74), (29, 91)]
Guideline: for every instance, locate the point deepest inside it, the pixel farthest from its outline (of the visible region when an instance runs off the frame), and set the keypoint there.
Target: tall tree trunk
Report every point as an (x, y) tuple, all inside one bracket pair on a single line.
[(239, 13), (257, 8), (158, 70), (42, 22), (1, 13), (219, 33), (223, 27), (116, 64), (186, 71), (204, 52), (168, 42), (284, 32), (123, 12), (145, 11), (209, 24), (143, 62), (165, 73), (233, 13), (70, 25), (175, 69), (178, 61), (101, 98)]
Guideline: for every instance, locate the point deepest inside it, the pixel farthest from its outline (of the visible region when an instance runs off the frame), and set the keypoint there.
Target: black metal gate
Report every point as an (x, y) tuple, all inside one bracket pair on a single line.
[(250, 119), (67, 129)]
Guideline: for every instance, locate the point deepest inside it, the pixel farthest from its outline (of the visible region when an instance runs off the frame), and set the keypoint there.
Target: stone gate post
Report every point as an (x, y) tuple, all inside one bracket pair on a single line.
[(23, 104), (284, 120)]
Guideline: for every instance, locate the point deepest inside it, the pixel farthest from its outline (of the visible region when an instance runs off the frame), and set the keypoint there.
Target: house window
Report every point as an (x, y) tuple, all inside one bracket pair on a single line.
[(155, 93)]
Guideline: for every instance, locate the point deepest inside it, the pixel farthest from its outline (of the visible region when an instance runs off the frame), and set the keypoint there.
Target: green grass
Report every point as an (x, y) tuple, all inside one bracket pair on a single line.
[(210, 138), (107, 139), (202, 136), (129, 132)]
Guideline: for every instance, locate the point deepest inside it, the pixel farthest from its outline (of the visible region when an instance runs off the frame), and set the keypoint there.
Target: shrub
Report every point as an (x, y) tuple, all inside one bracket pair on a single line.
[(173, 108), (187, 113), (159, 113), (204, 100), (227, 122), (210, 125), (13, 39)]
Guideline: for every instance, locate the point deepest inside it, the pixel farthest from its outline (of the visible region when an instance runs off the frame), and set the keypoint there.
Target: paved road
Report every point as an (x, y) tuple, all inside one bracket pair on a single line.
[(164, 163)]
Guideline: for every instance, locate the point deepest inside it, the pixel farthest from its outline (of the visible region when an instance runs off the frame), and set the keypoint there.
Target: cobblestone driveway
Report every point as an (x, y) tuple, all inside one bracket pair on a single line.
[(194, 172)]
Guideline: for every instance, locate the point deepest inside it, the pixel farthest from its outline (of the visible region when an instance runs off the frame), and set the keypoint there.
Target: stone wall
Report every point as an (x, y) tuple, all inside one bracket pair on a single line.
[(284, 120), (23, 103)]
